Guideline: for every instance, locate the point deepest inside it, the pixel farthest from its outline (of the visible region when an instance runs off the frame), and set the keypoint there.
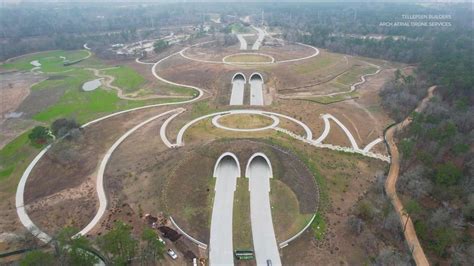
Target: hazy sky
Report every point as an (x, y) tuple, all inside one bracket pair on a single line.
[(184, 1)]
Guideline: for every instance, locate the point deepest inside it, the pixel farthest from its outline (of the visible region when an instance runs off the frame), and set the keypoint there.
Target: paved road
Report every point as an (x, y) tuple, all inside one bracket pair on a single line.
[(261, 36), (237, 94), (391, 186), (256, 91), (264, 241), (243, 42), (220, 245)]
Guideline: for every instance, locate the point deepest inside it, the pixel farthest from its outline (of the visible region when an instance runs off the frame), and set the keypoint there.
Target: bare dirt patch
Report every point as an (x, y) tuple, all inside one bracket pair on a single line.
[(248, 58), (63, 171), (14, 89), (245, 121)]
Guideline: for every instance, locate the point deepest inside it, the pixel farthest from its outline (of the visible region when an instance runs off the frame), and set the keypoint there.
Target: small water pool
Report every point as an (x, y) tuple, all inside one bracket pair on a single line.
[(91, 85)]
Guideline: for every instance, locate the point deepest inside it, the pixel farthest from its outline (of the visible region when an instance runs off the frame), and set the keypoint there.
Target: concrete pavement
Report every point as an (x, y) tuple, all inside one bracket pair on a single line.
[(226, 171), (261, 36), (243, 42), (238, 87), (256, 89), (264, 240)]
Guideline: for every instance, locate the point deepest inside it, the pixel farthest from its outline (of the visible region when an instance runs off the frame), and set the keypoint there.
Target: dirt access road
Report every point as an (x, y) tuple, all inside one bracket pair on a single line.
[(391, 182)]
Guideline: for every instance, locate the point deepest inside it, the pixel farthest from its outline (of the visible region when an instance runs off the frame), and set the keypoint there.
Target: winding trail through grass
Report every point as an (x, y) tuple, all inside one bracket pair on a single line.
[(19, 197), (391, 185), (108, 80)]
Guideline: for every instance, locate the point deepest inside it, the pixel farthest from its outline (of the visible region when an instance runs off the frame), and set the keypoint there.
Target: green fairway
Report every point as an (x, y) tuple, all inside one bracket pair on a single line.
[(85, 106), (126, 78), (14, 158), (50, 61)]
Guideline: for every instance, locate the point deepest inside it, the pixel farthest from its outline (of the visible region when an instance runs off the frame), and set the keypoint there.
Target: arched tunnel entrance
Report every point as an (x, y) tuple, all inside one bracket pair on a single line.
[(256, 89), (238, 86)]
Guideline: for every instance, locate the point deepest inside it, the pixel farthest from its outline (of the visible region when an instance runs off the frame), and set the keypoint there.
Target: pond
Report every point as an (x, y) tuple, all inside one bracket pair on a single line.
[(91, 85), (35, 63)]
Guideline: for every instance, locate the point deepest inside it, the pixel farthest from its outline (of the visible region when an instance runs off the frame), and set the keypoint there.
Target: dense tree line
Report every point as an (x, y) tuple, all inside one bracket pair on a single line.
[(437, 164), (341, 27), (437, 175), (119, 246), (35, 27)]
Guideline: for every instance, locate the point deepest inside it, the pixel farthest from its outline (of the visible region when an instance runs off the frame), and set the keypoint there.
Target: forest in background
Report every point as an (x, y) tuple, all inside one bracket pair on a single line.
[(437, 174), (437, 171)]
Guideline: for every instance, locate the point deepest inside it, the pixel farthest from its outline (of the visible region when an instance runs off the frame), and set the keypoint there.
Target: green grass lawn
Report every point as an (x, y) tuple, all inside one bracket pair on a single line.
[(333, 99), (317, 63), (85, 106), (239, 28), (287, 219), (73, 103), (177, 90), (126, 78), (248, 58), (352, 76), (50, 61), (242, 229), (14, 158)]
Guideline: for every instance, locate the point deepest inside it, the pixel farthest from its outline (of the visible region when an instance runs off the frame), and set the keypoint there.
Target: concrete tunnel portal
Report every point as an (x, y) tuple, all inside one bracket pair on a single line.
[(256, 89), (238, 87), (226, 171)]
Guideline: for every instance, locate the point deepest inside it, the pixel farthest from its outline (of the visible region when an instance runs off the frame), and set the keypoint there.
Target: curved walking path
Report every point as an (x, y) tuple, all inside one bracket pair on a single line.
[(108, 80), (25, 219), (327, 128), (182, 53), (19, 197), (353, 87), (390, 185), (215, 122), (179, 138), (100, 175)]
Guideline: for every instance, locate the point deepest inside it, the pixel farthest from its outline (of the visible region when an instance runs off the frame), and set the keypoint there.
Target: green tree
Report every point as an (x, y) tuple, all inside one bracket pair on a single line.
[(406, 147), (411, 207), (447, 174), (40, 135), (153, 249), (118, 244), (37, 258), (443, 238), (62, 126), (72, 249), (160, 45)]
